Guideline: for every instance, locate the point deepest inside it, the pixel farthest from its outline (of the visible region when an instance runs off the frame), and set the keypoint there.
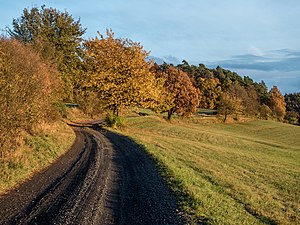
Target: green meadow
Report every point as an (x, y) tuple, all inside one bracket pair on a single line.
[(239, 173)]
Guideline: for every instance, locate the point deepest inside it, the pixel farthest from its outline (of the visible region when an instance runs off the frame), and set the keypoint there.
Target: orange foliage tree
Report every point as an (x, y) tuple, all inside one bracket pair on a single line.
[(277, 103), (179, 94), (119, 73)]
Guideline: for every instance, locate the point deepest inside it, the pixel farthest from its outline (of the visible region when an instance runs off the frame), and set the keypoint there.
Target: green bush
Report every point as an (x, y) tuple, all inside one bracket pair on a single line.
[(114, 121), (61, 108)]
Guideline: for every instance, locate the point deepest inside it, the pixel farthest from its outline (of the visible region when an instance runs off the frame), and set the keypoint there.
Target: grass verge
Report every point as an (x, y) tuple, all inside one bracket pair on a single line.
[(35, 153), (241, 173)]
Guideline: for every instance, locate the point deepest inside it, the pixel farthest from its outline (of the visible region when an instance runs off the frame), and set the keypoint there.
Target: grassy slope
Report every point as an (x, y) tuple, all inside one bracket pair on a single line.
[(243, 173), (36, 153)]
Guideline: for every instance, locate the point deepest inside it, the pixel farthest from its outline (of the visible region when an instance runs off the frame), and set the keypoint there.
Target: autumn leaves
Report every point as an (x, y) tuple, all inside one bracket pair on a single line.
[(113, 73), (118, 72), (121, 76)]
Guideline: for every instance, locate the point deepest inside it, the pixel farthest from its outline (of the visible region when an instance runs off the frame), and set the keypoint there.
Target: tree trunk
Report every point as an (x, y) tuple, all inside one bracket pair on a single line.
[(170, 113), (225, 117), (116, 110)]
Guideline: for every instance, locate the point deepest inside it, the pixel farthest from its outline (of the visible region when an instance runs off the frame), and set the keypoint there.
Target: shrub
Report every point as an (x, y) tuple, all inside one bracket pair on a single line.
[(89, 103), (114, 121), (292, 117), (61, 108), (27, 89)]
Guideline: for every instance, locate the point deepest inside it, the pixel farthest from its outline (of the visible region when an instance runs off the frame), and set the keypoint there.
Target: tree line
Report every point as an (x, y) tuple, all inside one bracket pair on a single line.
[(45, 61), (234, 95)]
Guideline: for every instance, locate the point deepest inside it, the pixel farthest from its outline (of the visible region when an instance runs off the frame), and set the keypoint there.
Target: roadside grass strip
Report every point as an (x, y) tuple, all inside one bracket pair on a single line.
[(37, 152)]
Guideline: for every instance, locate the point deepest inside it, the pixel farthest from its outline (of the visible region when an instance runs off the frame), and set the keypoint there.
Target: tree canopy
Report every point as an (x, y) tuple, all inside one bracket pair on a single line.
[(114, 73), (119, 73), (253, 97), (230, 104), (277, 103), (210, 92), (180, 96), (292, 102), (292, 107), (57, 37)]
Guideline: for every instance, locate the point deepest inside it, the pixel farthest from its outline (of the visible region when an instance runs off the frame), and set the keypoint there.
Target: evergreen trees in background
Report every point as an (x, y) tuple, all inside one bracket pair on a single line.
[(252, 98), (292, 107)]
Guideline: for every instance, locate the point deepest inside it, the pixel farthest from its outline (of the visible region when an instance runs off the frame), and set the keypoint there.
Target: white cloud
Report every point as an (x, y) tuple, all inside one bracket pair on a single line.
[(255, 51)]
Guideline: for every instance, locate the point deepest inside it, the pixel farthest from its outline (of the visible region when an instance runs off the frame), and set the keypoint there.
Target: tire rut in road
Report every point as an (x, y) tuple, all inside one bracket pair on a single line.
[(104, 179), (146, 199), (70, 197)]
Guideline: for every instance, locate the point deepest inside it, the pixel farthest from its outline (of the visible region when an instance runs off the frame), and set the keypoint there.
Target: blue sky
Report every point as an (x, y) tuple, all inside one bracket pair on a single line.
[(257, 38)]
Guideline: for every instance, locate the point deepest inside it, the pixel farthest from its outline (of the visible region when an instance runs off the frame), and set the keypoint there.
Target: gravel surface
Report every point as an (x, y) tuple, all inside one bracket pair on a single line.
[(103, 179)]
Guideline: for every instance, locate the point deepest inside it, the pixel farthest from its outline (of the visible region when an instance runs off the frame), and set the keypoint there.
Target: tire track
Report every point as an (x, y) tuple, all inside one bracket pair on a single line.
[(103, 179)]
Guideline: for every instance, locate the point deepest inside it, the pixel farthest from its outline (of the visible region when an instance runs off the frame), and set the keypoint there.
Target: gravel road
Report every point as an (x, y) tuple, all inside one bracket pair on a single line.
[(103, 179)]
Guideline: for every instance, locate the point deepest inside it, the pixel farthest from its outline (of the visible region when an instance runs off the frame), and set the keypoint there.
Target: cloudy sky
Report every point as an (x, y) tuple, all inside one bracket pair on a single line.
[(256, 38)]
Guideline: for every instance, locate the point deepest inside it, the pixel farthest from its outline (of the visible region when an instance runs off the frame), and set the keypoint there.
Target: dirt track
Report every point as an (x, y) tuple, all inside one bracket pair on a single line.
[(103, 179)]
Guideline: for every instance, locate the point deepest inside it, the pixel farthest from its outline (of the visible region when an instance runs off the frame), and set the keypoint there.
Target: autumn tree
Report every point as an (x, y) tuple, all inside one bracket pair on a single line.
[(251, 101), (119, 73), (248, 96), (253, 97), (230, 104), (265, 112), (180, 96), (57, 37), (277, 103), (210, 92)]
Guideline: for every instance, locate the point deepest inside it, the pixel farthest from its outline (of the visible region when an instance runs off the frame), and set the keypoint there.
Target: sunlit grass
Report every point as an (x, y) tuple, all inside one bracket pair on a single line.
[(241, 173)]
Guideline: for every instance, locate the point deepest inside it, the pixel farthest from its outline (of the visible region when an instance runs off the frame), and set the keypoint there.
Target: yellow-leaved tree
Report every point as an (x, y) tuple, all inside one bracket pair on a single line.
[(119, 73), (277, 103)]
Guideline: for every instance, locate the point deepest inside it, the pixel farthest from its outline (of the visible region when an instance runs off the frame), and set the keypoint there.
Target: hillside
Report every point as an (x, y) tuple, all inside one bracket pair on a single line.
[(242, 173)]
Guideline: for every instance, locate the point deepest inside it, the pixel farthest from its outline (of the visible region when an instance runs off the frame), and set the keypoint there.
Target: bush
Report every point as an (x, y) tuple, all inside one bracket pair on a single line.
[(114, 121), (89, 103), (27, 89), (61, 108), (292, 117), (265, 112)]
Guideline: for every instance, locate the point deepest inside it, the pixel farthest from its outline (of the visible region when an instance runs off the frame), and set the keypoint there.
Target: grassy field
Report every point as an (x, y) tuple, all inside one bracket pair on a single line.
[(241, 173), (36, 153)]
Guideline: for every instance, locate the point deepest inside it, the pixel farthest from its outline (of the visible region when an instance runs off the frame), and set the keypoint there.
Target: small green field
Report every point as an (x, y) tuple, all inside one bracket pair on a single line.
[(241, 173)]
